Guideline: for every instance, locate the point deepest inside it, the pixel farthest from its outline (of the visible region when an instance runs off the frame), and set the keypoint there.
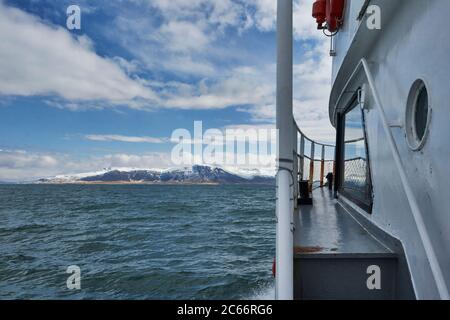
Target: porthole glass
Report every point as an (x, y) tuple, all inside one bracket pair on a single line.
[(417, 115), (421, 113)]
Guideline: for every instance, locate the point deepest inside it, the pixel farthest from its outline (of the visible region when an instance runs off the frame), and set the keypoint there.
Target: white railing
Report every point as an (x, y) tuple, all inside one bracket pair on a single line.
[(314, 160)]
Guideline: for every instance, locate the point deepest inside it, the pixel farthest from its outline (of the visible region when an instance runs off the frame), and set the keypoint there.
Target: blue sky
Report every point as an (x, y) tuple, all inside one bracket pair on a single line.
[(112, 93)]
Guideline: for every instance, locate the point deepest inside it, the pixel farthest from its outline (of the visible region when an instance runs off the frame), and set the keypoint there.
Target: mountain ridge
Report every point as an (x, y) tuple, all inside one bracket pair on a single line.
[(195, 175)]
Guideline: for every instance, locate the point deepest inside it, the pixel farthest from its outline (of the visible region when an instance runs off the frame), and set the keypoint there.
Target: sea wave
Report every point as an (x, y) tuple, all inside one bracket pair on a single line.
[(137, 242)]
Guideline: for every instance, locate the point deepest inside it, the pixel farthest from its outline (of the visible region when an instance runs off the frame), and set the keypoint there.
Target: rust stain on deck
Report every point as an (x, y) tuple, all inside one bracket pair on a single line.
[(300, 250)]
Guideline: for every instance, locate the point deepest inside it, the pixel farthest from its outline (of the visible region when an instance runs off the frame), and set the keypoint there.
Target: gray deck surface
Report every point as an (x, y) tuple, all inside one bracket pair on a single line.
[(327, 228)]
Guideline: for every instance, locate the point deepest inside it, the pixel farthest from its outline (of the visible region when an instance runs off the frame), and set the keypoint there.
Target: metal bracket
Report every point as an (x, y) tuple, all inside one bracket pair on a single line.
[(361, 94)]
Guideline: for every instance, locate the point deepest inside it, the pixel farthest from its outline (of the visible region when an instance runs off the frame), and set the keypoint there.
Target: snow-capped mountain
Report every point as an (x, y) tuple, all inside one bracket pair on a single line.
[(195, 175)]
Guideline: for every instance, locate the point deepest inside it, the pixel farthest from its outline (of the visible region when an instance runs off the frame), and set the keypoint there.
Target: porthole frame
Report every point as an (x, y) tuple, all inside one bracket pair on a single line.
[(414, 142)]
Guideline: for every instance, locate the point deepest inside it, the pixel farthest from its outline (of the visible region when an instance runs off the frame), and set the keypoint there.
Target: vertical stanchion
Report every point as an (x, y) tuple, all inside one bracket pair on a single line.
[(295, 169), (311, 167), (302, 158), (334, 169), (322, 167)]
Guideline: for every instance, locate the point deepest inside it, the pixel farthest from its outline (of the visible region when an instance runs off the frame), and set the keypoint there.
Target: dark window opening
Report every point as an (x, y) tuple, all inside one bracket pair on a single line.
[(355, 180)]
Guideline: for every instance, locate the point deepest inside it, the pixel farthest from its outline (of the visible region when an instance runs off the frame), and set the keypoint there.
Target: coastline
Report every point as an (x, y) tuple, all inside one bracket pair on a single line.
[(126, 183)]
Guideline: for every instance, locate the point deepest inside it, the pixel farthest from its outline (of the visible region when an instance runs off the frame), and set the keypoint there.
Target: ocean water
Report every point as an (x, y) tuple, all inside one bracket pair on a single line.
[(137, 241)]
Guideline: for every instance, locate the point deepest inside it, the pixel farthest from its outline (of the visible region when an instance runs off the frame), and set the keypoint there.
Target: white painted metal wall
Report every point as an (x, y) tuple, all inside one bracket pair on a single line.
[(344, 37), (414, 43)]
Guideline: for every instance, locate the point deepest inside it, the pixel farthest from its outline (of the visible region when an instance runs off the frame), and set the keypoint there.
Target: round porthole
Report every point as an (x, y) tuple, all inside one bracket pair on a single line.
[(418, 114)]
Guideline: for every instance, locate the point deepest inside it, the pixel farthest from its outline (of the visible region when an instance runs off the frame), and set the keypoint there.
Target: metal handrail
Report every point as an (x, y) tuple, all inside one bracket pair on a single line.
[(309, 158), (301, 156), (310, 140), (355, 140), (355, 158)]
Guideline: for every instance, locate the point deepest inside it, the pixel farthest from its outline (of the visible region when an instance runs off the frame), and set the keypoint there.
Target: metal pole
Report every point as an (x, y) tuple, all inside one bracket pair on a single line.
[(295, 165), (302, 158), (285, 122), (311, 166), (334, 169), (322, 167)]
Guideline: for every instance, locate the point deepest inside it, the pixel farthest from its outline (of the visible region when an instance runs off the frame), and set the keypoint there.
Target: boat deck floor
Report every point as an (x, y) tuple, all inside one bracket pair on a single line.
[(326, 228)]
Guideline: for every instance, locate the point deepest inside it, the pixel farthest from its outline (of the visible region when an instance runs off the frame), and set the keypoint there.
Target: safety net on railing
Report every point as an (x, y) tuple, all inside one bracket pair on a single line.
[(355, 173)]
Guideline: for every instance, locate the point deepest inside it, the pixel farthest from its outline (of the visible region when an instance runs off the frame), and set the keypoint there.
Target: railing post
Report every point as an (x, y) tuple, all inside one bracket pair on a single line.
[(311, 167), (302, 157), (334, 169), (322, 167), (295, 165)]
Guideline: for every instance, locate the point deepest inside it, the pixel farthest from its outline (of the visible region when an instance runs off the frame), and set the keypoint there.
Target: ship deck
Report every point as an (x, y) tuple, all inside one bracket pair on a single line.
[(327, 228)]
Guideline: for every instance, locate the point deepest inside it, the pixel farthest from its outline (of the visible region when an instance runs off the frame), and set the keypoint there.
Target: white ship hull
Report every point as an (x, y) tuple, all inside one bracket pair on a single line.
[(379, 71)]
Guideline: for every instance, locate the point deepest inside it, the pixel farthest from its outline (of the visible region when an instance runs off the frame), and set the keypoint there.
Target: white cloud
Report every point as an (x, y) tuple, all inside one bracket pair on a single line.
[(221, 14), (239, 14), (17, 165), (21, 159), (129, 67), (251, 133), (182, 36), (312, 86), (252, 90), (239, 86), (304, 24), (38, 59), (121, 138), (22, 166), (265, 16), (145, 161)]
